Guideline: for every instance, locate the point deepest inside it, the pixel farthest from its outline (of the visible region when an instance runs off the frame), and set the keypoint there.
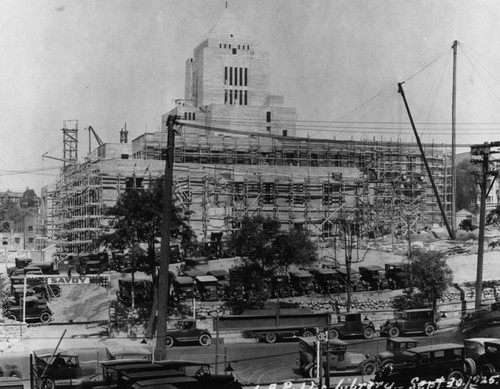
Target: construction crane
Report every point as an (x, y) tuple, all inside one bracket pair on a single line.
[(97, 138)]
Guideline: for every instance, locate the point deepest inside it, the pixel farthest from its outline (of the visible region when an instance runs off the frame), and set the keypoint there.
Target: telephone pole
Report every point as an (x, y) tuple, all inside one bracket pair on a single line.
[(163, 287), (480, 154)]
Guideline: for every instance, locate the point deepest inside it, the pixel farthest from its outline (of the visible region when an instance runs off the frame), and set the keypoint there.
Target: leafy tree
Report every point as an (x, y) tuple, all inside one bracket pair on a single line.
[(267, 250), (430, 275), (136, 219), (467, 192)]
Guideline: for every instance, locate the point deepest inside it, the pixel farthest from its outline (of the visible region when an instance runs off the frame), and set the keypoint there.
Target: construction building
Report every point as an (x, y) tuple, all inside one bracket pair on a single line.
[(237, 154)]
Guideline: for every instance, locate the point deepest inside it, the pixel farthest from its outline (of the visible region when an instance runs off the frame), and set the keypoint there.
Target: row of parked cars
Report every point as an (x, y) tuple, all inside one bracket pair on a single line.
[(404, 362), (34, 306)]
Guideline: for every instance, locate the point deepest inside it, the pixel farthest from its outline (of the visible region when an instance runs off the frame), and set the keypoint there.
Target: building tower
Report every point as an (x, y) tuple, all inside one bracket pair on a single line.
[(227, 84)]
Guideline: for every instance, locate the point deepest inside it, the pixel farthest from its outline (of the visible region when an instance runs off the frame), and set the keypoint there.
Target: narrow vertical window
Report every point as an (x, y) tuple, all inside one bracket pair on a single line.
[(268, 116), (225, 75), (230, 97), (246, 98), (185, 115), (241, 97), (246, 76), (231, 75), (225, 96), (241, 76), (194, 116), (235, 76)]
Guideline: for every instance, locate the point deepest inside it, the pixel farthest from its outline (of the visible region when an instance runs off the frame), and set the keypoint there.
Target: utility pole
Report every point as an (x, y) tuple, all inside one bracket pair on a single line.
[(480, 154), (163, 287), (454, 143)]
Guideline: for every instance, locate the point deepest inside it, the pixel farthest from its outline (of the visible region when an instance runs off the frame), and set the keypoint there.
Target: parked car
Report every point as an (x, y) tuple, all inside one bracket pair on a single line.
[(326, 281), (183, 288), (51, 371), (357, 284), (445, 362), (93, 263), (186, 331), (374, 276), (301, 283), (143, 291), (118, 352), (481, 318), (352, 325), (207, 287), (20, 263), (393, 354), (485, 352), (397, 275), (342, 361), (36, 310), (222, 281), (410, 321)]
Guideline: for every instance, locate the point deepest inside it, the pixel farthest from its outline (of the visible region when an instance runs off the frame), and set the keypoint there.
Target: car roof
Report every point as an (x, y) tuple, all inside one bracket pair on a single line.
[(417, 310), (47, 352), (371, 267), (185, 280), (121, 362), (176, 363), (434, 347), (218, 272), (484, 340), (206, 279), (300, 273), (119, 351), (402, 339)]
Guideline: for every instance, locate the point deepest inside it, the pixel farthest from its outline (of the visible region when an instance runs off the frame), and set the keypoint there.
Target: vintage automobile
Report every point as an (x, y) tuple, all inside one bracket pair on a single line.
[(374, 276), (301, 283), (341, 361), (207, 287), (326, 281), (445, 362), (357, 284), (36, 310), (21, 263), (119, 352), (222, 281), (202, 371), (479, 319), (393, 354), (486, 354), (352, 325), (143, 291), (61, 369), (47, 267), (187, 332), (183, 288), (397, 275), (410, 321)]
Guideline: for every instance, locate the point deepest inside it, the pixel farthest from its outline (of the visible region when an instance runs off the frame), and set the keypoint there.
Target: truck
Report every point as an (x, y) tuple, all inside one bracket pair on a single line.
[(207, 287), (271, 325), (21, 263), (374, 276), (302, 283), (397, 275)]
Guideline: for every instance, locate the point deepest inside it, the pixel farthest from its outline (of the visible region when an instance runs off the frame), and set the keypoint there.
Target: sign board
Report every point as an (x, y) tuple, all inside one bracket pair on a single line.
[(322, 336), (102, 280)]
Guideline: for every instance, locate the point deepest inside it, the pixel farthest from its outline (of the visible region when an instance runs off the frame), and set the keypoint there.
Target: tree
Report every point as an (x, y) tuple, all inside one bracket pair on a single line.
[(136, 219), (467, 193), (267, 250), (430, 275)]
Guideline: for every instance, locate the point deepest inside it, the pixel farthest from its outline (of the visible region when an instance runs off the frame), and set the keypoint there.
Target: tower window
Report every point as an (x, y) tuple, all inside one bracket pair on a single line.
[(246, 98), (241, 97), (285, 132), (225, 75), (224, 45), (231, 75), (235, 76), (246, 76), (238, 47), (268, 128), (234, 51), (225, 96), (268, 116)]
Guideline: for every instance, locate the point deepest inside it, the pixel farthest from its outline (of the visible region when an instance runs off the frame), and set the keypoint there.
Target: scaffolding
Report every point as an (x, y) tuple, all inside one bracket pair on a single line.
[(307, 184)]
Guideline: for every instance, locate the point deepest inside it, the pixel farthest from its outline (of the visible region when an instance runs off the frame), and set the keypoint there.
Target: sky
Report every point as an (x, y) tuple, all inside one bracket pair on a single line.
[(338, 62)]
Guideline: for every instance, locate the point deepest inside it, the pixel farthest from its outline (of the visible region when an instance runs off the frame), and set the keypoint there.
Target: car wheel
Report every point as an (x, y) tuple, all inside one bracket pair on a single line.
[(169, 341), (313, 372), (488, 370), (56, 291), (271, 337), (48, 384), (394, 332), (307, 334), (429, 330), (369, 368), (45, 296), (45, 317), (368, 333), (12, 317), (334, 334), (470, 366), (455, 379), (205, 340)]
